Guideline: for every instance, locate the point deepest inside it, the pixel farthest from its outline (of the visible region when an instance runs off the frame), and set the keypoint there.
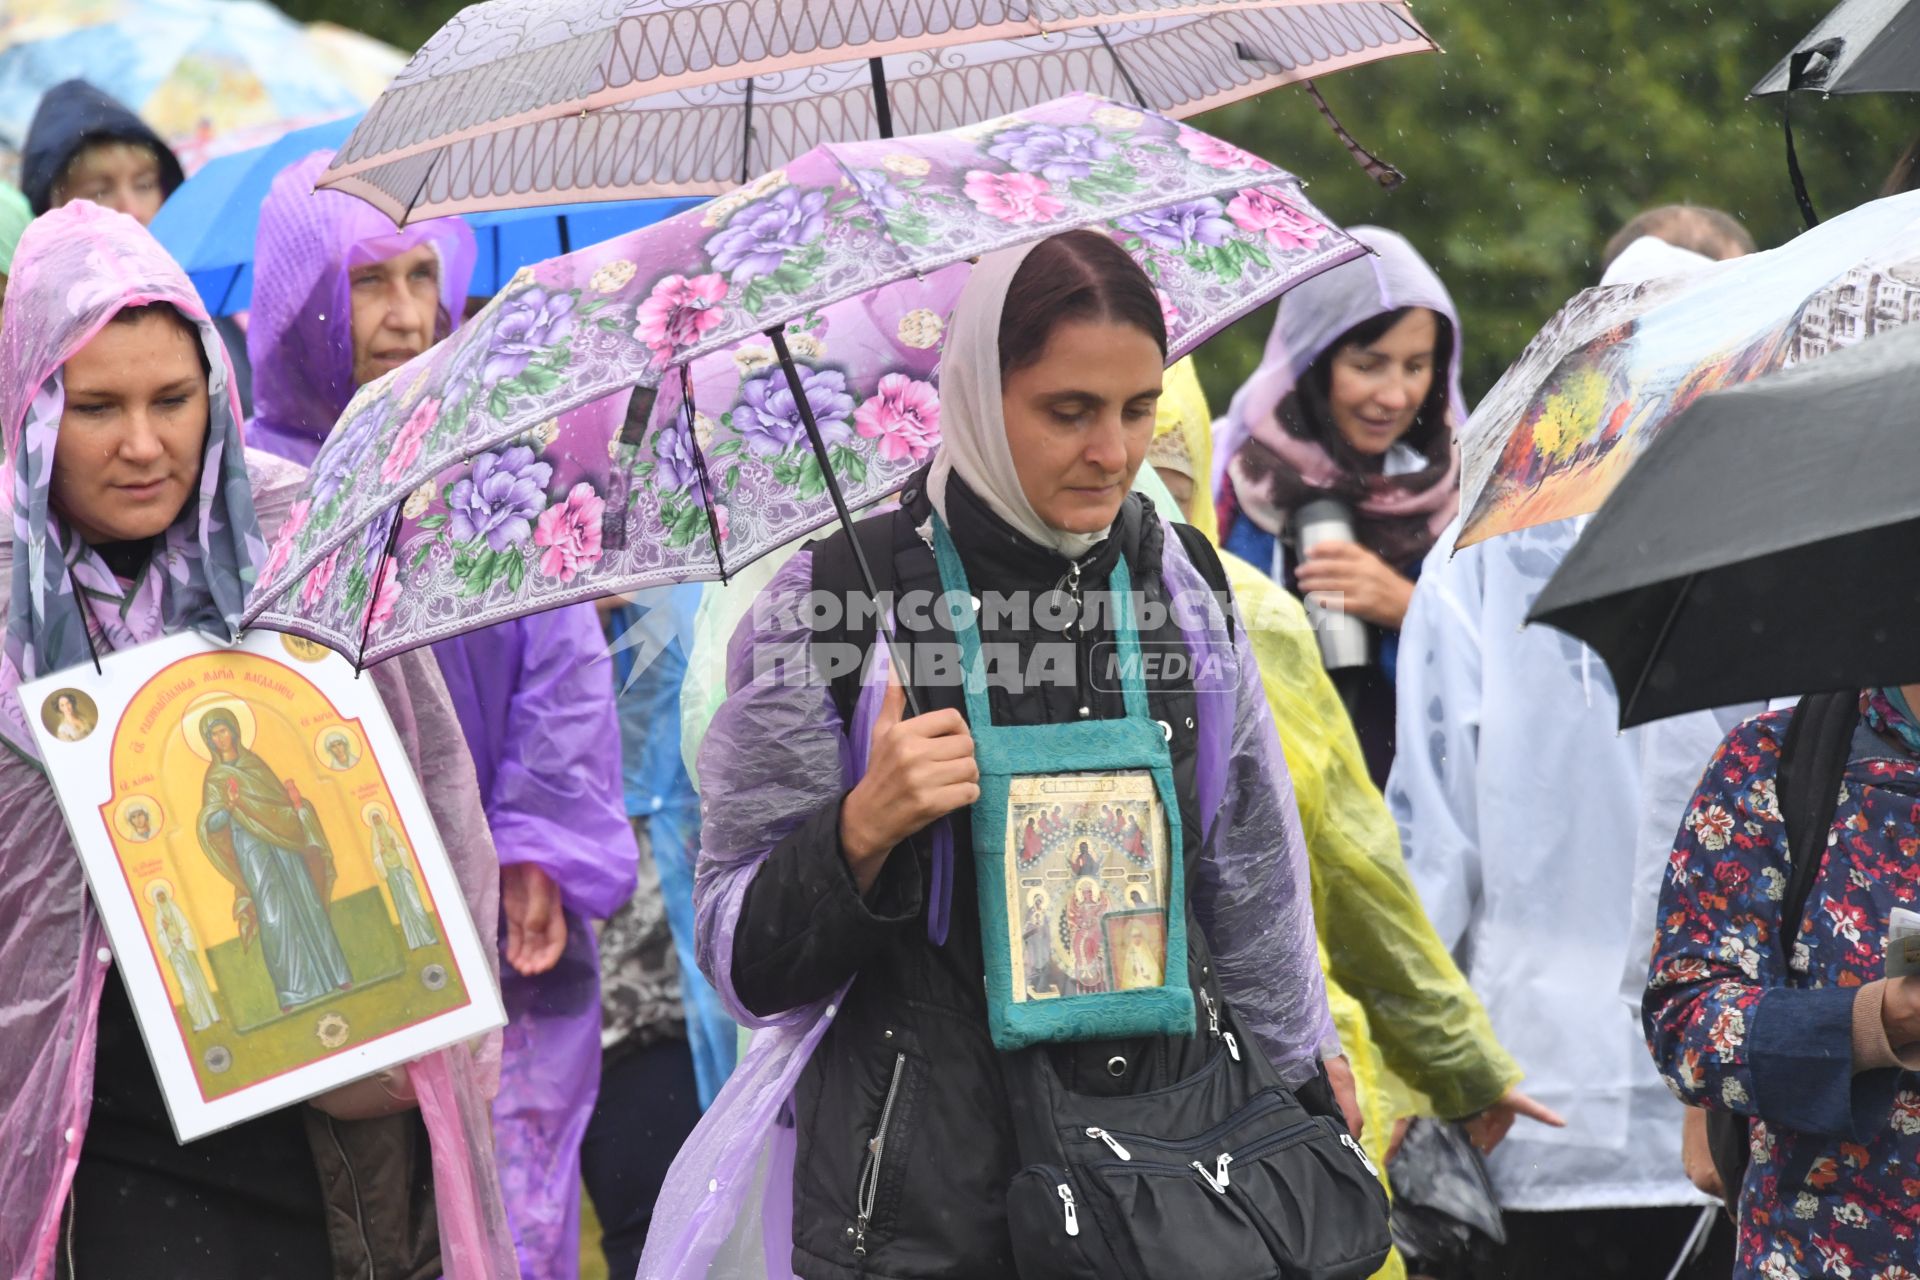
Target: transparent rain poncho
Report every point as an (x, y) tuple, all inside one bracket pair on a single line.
[(777, 751), (75, 268)]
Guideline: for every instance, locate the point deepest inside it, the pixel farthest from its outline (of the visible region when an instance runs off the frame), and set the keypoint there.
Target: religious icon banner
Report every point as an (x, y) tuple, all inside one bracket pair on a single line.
[(1087, 900), (277, 897)]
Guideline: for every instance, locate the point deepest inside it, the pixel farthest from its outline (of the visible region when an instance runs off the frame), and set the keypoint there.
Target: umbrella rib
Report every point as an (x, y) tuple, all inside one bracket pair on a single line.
[(700, 470), (1139, 98), (779, 336), (1659, 643), (883, 109), (746, 136), (373, 596)]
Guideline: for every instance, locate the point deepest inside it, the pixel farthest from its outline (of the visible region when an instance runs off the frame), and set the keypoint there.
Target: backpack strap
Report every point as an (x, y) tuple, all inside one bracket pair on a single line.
[(1813, 761), (836, 572)]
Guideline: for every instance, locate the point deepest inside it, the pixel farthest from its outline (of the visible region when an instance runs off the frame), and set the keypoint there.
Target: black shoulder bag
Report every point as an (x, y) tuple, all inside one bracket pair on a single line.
[(1813, 760)]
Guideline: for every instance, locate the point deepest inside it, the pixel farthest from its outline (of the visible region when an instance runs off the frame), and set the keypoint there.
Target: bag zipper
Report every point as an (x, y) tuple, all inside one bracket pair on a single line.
[(1207, 1139), (1065, 1192), (1213, 1023), (869, 1188)]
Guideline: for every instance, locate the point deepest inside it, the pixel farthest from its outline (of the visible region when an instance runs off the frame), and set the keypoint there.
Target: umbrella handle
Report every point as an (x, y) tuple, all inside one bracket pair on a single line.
[(778, 334)]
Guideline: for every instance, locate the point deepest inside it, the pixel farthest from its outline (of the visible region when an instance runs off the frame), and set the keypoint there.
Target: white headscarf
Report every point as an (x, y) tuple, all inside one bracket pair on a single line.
[(973, 430)]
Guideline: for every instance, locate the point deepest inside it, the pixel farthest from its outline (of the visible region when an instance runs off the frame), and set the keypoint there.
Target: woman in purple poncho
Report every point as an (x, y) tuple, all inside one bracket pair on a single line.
[(869, 1130), (340, 298)]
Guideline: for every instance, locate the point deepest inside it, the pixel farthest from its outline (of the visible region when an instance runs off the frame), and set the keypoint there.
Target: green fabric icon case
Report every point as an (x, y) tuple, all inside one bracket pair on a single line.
[(1077, 842)]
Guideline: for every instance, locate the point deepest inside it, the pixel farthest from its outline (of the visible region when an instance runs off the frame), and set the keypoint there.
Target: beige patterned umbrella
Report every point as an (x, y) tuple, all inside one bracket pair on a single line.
[(531, 102)]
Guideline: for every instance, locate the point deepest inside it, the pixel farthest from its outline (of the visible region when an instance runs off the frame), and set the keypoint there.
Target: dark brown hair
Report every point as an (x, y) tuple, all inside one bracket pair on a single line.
[(1312, 411), (134, 315), (1078, 275)]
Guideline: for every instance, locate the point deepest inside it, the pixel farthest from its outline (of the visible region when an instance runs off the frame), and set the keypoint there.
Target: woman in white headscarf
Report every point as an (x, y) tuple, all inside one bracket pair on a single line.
[(868, 1130)]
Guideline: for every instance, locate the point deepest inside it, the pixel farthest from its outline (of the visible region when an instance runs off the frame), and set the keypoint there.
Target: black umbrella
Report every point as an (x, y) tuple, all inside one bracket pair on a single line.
[(1862, 46), (1768, 543)]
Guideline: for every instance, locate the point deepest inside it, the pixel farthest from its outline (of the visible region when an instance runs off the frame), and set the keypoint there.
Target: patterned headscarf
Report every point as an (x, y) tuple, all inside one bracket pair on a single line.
[(76, 268)]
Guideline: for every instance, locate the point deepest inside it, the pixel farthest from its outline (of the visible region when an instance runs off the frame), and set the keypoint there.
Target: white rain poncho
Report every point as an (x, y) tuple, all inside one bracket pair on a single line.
[(1518, 801)]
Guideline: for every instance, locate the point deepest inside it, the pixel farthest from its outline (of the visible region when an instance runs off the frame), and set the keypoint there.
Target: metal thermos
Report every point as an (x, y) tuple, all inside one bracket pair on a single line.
[(1343, 640)]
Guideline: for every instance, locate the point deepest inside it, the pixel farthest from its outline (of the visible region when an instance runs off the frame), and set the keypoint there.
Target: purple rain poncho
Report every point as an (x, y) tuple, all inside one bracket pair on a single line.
[(74, 269), (777, 751), (299, 338), (535, 700)]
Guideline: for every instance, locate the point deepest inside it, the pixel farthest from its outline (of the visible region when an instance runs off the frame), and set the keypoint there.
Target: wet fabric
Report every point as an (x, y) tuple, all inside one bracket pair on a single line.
[(76, 268), (535, 702), (1740, 1021), (1270, 458), (71, 115), (1397, 997), (299, 337), (1517, 800), (660, 795)]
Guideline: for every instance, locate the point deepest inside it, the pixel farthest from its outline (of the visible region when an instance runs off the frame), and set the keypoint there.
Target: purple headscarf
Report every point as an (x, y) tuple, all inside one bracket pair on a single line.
[(302, 350)]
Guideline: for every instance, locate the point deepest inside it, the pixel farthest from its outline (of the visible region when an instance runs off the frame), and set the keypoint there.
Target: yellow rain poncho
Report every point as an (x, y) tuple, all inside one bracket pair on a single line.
[(1398, 999)]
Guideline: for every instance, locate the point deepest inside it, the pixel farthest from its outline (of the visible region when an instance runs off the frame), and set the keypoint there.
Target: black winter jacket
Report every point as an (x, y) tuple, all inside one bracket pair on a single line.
[(905, 1133)]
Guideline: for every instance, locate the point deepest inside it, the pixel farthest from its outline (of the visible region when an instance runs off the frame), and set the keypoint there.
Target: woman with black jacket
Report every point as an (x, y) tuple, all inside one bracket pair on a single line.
[(882, 1114)]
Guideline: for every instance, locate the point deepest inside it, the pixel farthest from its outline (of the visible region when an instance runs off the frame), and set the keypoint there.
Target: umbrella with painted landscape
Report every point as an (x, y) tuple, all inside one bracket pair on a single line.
[(1601, 381)]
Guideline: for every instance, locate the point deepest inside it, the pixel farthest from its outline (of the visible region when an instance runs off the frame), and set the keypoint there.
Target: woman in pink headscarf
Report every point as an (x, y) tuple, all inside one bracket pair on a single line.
[(135, 514), (1355, 401)]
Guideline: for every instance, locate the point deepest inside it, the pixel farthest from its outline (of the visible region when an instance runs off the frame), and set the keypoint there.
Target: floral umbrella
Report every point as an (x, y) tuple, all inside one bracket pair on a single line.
[(522, 102), (669, 405)]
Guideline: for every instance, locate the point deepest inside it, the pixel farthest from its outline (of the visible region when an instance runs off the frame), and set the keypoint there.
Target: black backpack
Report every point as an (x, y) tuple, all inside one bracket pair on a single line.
[(1813, 761)]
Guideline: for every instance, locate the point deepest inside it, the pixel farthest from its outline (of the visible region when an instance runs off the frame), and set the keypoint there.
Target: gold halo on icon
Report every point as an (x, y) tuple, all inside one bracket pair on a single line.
[(197, 711), (154, 887), (372, 807), (355, 748), (122, 823), (304, 649)]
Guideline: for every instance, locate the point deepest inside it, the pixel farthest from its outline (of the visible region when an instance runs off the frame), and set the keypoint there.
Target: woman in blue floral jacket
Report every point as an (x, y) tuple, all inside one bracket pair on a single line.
[(1811, 1041)]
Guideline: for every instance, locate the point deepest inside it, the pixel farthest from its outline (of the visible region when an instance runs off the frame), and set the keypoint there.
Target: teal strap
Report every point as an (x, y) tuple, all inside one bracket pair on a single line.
[(966, 629)]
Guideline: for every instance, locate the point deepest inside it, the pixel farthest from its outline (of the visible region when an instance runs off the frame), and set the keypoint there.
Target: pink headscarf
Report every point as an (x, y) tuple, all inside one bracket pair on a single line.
[(1313, 318), (307, 246), (75, 269)]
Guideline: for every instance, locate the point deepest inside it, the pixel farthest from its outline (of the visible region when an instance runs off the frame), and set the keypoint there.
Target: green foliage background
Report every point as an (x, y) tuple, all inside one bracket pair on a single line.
[(1538, 132)]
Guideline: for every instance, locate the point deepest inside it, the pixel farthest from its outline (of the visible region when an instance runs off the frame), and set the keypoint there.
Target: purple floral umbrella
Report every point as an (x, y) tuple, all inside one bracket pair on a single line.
[(674, 403)]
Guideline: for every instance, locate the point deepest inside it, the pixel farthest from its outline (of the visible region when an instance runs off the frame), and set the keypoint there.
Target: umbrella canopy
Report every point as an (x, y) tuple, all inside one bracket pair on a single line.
[(1765, 545), (1613, 368), (190, 68), (623, 417), (209, 224), (519, 102), (1862, 46)]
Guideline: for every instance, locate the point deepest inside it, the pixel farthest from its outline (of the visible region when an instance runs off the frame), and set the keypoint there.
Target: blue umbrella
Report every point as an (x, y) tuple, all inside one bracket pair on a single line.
[(208, 225)]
